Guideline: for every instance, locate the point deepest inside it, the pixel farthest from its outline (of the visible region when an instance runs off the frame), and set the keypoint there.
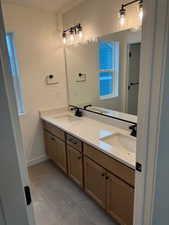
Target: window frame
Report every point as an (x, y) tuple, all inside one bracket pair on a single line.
[(15, 73), (115, 73)]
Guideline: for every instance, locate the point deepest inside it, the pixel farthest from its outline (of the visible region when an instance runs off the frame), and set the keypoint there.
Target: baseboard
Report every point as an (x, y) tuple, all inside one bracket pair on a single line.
[(37, 160)]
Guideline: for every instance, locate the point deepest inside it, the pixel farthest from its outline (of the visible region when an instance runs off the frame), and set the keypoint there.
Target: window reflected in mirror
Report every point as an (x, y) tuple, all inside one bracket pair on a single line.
[(108, 68)]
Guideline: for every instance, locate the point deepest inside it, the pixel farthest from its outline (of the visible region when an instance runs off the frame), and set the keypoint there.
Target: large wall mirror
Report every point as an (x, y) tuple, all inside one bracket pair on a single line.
[(104, 75)]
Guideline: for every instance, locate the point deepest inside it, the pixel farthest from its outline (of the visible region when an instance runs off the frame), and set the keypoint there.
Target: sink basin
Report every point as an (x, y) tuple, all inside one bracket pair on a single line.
[(69, 118), (121, 142)]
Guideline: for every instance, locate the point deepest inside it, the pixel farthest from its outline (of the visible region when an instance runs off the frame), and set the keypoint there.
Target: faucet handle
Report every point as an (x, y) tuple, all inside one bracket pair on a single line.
[(86, 106), (133, 126), (72, 108), (134, 130)]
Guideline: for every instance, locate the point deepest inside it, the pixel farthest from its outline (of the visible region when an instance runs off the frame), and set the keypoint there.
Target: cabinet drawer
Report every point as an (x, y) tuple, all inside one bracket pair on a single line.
[(54, 130), (125, 173), (74, 142)]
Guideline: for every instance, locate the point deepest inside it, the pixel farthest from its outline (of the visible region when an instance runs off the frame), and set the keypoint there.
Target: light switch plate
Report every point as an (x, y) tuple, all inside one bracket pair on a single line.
[(81, 77), (51, 79)]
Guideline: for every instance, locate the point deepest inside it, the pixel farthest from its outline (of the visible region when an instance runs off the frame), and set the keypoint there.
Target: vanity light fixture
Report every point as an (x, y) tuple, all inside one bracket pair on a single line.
[(122, 11), (72, 33)]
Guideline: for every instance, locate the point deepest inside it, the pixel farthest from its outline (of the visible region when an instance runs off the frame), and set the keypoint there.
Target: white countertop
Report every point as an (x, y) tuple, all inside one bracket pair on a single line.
[(90, 131)]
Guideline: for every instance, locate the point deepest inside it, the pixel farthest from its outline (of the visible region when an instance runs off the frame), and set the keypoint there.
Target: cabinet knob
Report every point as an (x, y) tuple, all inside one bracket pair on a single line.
[(79, 157), (103, 174), (107, 177)]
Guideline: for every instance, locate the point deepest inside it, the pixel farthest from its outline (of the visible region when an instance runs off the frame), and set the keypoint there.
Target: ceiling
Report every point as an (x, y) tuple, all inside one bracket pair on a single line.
[(47, 5)]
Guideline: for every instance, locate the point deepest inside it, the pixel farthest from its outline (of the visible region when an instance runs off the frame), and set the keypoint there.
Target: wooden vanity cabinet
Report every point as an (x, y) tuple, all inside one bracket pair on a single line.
[(110, 192), (115, 167), (61, 156), (75, 165), (109, 182), (120, 200), (95, 183), (55, 146), (54, 130), (118, 181), (50, 145)]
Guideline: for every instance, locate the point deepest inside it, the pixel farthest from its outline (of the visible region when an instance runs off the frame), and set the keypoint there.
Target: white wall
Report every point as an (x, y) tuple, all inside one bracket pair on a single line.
[(39, 50)]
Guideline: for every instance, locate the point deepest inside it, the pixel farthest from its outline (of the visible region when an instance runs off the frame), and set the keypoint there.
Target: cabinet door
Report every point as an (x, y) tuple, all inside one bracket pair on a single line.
[(120, 200), (75, 165), (50, 145), (60, 154), (95, 183)]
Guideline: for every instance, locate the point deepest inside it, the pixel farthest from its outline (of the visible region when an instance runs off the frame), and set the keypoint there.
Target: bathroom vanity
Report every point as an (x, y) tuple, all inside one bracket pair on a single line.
[(98, 157)]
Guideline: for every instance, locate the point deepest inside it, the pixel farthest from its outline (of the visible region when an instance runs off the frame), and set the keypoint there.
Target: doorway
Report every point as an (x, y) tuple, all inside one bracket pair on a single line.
[(133, 77)]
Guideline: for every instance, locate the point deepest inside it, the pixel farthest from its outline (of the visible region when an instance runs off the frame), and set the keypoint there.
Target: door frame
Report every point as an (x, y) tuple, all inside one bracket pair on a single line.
[(127, 72), (13, 172), (151, 113)]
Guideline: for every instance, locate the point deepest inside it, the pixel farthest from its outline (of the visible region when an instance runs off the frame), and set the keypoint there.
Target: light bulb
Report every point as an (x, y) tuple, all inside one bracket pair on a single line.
[(71, 35), (141, 12), (122, 20), (122, 14), (80, 34), (64, 40), (80, 31), (64, 37)]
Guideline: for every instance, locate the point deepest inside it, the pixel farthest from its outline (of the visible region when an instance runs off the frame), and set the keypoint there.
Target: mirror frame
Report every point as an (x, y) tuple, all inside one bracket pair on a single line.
[(105, 115), (92, 111)]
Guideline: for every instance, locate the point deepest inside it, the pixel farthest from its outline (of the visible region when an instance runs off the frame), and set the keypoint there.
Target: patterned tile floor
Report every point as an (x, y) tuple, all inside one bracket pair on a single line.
[(58, 201)]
